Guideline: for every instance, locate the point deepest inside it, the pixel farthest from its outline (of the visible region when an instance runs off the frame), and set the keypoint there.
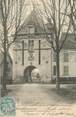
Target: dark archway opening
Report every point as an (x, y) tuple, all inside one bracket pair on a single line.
[(27, 73)]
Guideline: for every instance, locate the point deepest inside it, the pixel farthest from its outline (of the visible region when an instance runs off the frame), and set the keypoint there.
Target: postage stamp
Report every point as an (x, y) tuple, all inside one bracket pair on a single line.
[(7, 106)]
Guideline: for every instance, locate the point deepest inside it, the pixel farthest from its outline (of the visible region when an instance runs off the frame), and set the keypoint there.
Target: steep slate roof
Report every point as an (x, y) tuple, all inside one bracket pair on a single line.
[(32, 19), (70, 42)]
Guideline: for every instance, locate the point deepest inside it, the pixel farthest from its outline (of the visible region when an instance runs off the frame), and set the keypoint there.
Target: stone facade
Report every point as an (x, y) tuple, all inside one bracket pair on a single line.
[(41, 60), (67, 64), (33, 51)]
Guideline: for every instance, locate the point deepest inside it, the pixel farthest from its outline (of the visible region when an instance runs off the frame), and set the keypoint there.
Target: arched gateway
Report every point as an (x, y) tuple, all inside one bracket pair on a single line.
[(32, 48), (27, 73)]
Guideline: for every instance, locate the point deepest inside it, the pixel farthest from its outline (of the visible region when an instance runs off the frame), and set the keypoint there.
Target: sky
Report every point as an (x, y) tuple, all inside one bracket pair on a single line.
[(28, 7)]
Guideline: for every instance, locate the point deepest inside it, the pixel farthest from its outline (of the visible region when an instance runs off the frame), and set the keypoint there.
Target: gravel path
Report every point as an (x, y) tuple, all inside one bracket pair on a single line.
[(40, 100)]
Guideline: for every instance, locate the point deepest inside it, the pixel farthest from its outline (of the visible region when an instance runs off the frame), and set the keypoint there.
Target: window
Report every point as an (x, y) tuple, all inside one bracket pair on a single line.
[(66, 71), (66, 57), (39, 52), (54, 70), (31, 45), (22, 52), (54, 57), (32, 30)]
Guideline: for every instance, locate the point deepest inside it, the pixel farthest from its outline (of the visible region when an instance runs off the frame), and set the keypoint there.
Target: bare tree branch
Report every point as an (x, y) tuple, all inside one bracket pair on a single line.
[(44, 27)]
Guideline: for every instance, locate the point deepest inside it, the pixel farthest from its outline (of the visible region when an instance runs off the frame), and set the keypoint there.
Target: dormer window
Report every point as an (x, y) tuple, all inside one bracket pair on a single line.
[(31, 29)]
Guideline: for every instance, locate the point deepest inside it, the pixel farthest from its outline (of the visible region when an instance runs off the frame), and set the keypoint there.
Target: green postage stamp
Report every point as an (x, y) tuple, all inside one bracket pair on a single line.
[(7, 106)]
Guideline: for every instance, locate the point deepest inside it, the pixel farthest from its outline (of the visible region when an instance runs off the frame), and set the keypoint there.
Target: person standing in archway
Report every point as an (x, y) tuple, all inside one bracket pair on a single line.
[(25, 76)]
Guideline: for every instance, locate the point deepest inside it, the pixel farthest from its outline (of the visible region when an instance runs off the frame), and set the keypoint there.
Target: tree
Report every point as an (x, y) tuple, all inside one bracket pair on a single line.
[(56, 12), (72, 16), (11, 14)]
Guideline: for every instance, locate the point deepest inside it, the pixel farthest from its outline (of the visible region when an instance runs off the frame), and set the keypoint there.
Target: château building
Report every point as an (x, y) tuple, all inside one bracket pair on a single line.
[(33, 53)]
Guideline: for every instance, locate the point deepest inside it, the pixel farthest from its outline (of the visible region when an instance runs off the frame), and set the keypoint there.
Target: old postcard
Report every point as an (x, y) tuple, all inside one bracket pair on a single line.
[(38, 58)]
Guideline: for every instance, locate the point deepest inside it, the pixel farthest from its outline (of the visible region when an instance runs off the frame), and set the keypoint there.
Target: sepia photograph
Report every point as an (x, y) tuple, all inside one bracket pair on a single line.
[(38, 58)]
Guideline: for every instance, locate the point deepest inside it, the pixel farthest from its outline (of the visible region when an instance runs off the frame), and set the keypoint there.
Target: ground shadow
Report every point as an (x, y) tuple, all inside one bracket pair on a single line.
[(66, 94)]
